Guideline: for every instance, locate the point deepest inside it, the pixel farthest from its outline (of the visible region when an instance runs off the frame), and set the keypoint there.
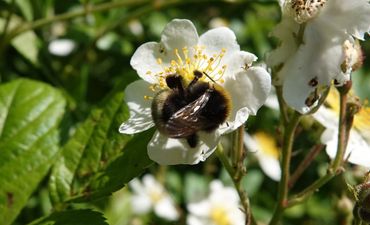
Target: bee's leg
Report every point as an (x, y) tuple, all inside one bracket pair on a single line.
[(192, 140), (197, 76)]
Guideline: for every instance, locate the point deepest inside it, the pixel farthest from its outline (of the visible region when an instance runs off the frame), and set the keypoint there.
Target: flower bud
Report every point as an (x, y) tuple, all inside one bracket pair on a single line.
[(362, 208), (345, 205)]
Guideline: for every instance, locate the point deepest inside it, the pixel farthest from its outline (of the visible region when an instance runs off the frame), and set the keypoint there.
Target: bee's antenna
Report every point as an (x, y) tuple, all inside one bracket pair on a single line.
[(209, 77), (198, 75)]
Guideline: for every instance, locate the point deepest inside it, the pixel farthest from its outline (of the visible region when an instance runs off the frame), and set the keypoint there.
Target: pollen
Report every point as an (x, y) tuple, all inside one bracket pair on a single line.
[(303, 10), (189, 59), (219, 216), (156, 195)]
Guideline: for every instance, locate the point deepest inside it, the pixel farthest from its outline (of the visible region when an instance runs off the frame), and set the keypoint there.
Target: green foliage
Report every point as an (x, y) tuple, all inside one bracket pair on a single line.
[(94, 144), (96, 160), (73, 217), (30, 113), (127, 166)]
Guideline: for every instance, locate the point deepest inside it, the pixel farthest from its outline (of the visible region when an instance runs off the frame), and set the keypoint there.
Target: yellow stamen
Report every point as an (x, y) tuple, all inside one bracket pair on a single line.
[(184, 65)]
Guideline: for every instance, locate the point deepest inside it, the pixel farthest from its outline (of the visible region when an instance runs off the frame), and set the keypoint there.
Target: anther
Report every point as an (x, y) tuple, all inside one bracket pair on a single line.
[(313, 82)]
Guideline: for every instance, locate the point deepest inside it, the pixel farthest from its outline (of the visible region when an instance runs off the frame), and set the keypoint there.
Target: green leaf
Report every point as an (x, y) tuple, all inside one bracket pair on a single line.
[(82, 168), (73, 217), (127, 166), (27, 43), (30, 113)]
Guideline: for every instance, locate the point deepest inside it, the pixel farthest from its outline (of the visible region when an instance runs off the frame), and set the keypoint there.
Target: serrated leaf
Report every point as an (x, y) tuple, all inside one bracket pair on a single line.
[(30, 113), (63, 172), (93, 146), (129, 165), (73, 217)]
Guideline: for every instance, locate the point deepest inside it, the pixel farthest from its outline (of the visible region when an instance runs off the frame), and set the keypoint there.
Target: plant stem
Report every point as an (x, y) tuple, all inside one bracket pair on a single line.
[(237, 183), (304, 164), (342, 133), (282, 105), (334, 168), (285, 167), (239, 153)]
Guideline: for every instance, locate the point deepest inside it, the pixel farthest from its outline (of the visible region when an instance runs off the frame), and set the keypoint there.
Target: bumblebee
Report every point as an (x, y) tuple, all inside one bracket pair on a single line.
[(181, 111)]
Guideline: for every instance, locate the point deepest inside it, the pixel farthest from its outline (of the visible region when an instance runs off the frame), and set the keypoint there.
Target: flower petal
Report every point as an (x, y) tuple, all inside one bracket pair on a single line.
[(144, 61), (62, 47), (352, 17), (357, 151), (286, 32), (269, 164), (170, 151), (140, 108), (248, 90), (218, 39), (165, 208), (179, 33), (200, 209), (151, 184), (237, 62), (141, 204), (327, 117), (194, 220), (320, 50)]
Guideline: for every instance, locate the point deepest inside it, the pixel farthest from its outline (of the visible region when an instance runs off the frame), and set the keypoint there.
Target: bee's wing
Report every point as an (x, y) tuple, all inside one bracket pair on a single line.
[(187, 120)]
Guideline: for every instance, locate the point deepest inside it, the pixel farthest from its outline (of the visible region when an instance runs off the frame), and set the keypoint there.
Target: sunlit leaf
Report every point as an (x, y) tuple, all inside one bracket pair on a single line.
[(127, 166), (30, 112), (86, 166)]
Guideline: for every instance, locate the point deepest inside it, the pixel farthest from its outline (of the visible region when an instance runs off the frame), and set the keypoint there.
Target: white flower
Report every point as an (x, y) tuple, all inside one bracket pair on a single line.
[(150, 195), (358, 148), (61, 47), (217, 55), (327, 29), (220, 208), (265, 148)]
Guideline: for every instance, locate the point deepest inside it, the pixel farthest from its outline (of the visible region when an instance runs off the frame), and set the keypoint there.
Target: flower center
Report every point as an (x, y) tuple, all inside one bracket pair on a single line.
[(362, 119), (303, 10), (155, 195), (362, 122), (268, 144), (185, 63), (219, 216)]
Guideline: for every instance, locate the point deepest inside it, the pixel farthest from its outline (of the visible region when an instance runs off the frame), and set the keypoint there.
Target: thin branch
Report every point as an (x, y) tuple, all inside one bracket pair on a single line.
[(285, 166), (335, 167), (282, 105), (242, 194), (305, 164)]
